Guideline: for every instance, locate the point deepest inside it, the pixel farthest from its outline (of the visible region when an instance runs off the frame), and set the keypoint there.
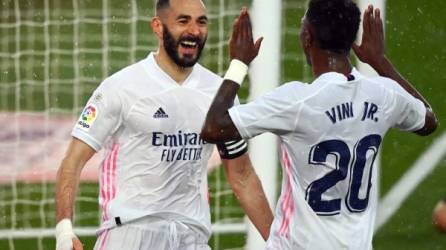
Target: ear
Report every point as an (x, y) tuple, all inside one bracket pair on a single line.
[(157, 27), (307, 38)]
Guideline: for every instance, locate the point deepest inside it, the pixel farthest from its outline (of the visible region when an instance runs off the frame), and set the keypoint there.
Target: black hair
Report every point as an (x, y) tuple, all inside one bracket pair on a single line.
[(162, 4), (335, 23)]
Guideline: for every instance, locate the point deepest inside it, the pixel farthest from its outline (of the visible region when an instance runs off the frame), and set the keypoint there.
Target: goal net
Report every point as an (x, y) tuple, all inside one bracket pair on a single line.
[(53, 55)]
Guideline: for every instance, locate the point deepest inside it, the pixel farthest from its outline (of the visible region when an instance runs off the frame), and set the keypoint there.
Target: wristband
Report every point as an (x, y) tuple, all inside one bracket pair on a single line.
[(236, 72), (64, 227), (64, 235)]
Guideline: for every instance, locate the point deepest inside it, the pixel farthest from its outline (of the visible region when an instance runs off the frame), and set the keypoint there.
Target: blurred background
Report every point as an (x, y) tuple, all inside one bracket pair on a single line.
[(54, 53)]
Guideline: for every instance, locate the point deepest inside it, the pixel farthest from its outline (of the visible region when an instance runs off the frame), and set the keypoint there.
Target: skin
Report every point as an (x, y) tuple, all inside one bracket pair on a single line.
[(183, 18), (218, 124), (249, 192), (67, 181), (371, 51)]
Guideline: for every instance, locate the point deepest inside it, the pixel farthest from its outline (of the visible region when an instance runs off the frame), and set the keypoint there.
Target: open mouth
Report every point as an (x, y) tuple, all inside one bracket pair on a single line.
[(189, 44)]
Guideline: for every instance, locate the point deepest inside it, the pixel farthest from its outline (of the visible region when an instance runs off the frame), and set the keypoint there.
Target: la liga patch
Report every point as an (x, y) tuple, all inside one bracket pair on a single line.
[(87, 117)]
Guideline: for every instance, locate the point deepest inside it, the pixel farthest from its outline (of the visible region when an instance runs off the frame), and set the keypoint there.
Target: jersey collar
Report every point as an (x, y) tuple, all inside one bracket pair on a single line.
[(338, 77), (152, 67), (356, 74)]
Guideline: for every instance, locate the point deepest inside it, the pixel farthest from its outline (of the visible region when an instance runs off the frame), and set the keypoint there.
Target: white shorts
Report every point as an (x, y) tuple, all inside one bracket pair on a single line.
[(152, 233)]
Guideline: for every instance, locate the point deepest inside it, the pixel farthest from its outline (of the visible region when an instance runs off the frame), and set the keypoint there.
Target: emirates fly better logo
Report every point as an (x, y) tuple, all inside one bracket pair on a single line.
[(88, 117)]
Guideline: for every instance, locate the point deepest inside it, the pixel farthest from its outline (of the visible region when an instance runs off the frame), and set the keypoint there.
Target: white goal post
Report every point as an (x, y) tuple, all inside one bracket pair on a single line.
[(264, 76)]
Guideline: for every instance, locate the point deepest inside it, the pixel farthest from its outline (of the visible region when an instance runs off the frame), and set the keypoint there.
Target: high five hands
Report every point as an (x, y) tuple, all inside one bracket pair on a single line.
[(241, 45), (371, 49)]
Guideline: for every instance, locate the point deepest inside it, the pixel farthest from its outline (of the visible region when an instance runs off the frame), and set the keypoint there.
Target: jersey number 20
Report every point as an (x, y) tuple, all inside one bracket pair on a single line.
[(340, 150)]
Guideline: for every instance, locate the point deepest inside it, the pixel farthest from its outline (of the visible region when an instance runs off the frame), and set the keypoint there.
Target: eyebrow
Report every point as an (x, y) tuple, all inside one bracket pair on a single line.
[(188, 17), (205, 18), (182, 16)]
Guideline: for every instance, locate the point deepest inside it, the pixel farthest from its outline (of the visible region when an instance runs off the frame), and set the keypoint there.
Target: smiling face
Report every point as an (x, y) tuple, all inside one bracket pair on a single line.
[(182, 28)]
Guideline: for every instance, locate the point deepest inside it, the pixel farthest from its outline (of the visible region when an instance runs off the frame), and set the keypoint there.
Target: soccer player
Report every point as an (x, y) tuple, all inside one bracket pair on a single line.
[(330, 130), (148, 117)]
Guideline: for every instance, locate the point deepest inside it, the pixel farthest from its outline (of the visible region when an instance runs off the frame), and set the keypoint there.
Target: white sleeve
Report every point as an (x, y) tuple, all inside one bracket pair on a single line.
[(100, 118), (236, 101), (408, 113), (275, 112)]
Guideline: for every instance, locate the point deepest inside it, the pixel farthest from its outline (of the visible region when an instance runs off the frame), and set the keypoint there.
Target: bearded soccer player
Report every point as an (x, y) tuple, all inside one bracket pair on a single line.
[(330, 130), (148, 117)]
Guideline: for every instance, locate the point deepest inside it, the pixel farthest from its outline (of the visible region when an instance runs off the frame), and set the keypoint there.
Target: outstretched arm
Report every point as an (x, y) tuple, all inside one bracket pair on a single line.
[(248, 189), (218, 125), (371, 51), (67, 183)]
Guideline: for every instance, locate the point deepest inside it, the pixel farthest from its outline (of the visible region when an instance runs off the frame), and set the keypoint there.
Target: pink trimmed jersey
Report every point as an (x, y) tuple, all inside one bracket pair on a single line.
[(330, 133), (155, 161)]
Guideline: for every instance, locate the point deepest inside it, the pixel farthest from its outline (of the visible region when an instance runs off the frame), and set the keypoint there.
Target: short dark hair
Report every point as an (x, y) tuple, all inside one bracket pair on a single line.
[(335, 23), (161, 4)]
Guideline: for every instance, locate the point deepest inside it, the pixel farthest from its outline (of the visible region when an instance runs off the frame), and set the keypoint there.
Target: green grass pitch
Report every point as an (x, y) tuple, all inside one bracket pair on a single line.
[(415, 37)]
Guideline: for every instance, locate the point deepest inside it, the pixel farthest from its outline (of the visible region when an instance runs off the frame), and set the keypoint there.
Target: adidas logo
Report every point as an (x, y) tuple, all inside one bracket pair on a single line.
[(160, 114)]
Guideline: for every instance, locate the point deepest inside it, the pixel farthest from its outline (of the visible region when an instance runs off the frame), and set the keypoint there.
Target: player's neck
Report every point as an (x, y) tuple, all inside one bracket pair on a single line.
[(325, 61), (177, 73)]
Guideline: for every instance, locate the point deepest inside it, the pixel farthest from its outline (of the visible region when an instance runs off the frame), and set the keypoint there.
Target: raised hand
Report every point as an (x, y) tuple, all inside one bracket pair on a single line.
[(241, 45), (371, 49)]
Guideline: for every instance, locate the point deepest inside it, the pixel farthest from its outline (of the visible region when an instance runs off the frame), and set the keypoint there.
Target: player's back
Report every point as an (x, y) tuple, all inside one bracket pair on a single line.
[(329, 188), (330, 132)]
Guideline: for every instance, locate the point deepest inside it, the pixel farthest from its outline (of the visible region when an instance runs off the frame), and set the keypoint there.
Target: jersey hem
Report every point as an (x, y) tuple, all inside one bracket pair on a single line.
[(111, 223)]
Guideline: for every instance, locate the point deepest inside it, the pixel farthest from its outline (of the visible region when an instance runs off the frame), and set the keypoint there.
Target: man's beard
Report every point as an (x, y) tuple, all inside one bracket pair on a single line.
[(171, 45)]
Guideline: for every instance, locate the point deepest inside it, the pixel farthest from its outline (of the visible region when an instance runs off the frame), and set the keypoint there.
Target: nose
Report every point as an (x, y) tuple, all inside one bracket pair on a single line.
[(194, 29)]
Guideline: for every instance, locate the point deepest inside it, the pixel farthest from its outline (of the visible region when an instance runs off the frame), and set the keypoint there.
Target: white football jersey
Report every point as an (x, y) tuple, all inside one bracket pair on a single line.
[(330, 133), (155, 161)]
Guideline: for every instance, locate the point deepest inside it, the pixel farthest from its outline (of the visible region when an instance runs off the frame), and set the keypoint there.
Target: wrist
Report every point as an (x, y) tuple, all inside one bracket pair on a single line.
[(379, 63), (64, 227), (237, 71)]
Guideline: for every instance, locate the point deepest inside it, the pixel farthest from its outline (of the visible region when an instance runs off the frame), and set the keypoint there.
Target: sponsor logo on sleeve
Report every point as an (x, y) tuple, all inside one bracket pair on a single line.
[(88, 117)]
